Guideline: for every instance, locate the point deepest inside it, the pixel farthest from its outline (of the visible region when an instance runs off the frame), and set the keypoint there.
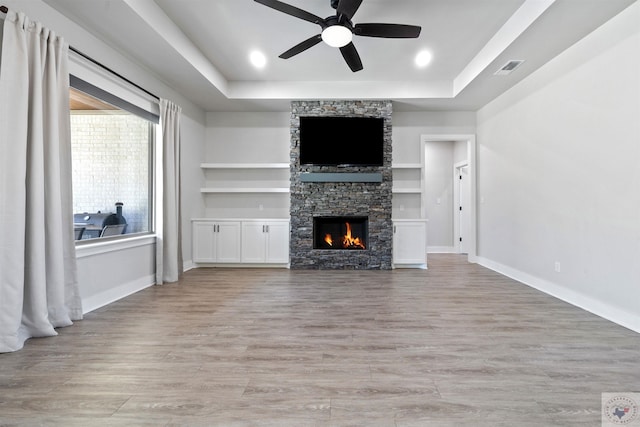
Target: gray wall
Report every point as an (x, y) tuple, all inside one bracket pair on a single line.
[(559, 173)]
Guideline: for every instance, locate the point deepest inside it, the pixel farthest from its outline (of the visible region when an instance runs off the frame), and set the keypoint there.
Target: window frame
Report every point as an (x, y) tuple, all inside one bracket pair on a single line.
[(88, 78)]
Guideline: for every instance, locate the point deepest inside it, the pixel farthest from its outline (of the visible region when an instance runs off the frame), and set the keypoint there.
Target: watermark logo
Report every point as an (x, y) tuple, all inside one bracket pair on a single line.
[(620, 409)]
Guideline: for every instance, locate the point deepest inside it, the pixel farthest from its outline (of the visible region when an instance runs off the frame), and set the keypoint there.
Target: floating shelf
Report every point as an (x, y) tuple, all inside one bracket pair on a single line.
[(406, 166), (407, 191), (244, 165), (245, 190)]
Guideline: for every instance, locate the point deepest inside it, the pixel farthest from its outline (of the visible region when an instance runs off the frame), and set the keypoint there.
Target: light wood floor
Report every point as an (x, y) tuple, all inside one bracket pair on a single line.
[(457, 345)]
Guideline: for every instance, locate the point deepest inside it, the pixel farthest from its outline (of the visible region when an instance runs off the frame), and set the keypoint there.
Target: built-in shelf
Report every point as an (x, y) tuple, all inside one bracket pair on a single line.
[(245, 190), (244, 165), (407, 190), (239, 168), (406, 166)]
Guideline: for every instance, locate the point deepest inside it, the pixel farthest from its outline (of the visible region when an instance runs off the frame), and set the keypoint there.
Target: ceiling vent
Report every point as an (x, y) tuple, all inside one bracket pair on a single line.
[(509, 67)]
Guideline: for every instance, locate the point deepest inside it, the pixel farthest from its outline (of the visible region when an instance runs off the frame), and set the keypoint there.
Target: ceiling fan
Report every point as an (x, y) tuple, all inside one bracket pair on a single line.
[(338, 30)]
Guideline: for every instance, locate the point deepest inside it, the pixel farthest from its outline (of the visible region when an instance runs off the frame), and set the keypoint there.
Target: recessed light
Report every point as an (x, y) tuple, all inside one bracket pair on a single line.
[(257, 59), (423, 58)]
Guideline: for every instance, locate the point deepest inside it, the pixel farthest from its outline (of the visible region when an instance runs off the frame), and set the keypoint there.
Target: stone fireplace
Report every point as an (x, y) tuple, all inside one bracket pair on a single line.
[(362, 203)]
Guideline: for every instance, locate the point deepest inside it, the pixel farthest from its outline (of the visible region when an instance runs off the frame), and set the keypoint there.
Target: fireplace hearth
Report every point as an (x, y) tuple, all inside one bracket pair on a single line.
[(340, 233)]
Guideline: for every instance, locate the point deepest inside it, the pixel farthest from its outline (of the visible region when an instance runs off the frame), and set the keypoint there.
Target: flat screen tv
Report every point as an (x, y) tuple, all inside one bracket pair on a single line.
[(341, 141)]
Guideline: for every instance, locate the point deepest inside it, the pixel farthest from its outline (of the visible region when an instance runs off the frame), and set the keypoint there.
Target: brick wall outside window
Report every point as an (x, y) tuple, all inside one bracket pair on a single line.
[(110, 154)]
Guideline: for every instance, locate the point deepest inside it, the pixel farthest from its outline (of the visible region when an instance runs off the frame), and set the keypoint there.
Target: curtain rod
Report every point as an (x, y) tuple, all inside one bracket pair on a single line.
[(4, 9), (88, 58)]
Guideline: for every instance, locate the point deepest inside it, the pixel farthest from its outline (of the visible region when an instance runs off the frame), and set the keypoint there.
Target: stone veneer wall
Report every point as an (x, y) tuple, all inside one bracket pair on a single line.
[(310, 199)]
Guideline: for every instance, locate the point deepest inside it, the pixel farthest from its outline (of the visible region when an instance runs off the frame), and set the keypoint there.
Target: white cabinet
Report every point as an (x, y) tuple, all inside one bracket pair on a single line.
[(242, 241), (216, 241), (265, 241), (410, 243)]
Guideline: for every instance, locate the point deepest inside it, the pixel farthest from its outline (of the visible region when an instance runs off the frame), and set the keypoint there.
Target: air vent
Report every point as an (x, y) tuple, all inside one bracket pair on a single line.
[(509, 67)]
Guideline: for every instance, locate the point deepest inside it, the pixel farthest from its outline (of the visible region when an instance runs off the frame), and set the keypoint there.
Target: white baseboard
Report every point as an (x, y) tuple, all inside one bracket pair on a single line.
[(240, 265), (420, 266), (441, 250), (592, 305), (107, 297), (187, 265)]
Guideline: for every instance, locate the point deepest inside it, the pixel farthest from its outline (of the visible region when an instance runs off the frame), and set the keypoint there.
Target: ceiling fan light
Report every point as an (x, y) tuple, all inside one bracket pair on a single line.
[(337, 36)]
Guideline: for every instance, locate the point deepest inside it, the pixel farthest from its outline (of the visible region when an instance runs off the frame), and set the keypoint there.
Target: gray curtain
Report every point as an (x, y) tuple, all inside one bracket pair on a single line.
[(38, 276), (169, 263)]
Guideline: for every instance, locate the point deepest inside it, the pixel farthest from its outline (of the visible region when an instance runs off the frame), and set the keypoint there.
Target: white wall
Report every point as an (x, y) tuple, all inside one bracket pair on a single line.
[(559, 173), (191, 179), (408, 126), (131, 268), (248, 137)]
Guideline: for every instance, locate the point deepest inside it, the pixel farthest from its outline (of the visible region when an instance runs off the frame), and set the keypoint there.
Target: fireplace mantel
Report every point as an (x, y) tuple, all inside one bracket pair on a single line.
[(340, 177)]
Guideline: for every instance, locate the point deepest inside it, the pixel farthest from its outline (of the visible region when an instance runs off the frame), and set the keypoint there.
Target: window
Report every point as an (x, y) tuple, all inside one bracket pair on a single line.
[(112, 152)]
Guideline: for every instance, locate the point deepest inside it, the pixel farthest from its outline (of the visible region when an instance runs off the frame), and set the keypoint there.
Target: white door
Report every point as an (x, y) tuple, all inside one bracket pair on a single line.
[(253, 241), (228, 241), (204, 242), (464, 209), (278, 242), (409, 242)]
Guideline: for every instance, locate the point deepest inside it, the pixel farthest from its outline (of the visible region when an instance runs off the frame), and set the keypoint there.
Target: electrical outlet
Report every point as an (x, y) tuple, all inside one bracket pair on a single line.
[(557, 266), (261, 207)]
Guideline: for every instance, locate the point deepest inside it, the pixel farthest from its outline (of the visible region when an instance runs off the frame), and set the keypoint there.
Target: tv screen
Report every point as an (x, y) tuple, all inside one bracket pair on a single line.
[(336, 141)]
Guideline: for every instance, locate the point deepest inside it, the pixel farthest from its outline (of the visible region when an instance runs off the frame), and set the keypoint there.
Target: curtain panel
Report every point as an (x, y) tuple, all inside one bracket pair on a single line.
[(169, 264), (38, 276)]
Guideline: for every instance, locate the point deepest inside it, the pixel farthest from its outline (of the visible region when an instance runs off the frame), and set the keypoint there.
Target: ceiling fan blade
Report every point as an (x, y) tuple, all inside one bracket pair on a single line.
[(292, 10), (389, 31), (350, 55), (348, 8), (301, 47)]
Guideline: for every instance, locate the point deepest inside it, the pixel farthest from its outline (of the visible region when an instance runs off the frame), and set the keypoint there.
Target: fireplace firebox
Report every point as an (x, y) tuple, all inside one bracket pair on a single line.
[(340, 232)]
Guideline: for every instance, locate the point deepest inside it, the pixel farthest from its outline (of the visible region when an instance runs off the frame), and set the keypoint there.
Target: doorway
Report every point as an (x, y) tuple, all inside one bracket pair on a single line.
[(465, 223)]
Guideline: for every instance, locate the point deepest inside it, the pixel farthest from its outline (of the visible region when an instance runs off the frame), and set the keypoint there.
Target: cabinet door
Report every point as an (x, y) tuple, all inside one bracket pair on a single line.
[(253, 241), (278, 242), (409, 243), (228, 241), (204, 242)]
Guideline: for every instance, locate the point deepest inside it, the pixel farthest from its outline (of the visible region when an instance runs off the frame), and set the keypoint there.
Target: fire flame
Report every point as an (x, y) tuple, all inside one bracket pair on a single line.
[(328, 239), (351, 242)]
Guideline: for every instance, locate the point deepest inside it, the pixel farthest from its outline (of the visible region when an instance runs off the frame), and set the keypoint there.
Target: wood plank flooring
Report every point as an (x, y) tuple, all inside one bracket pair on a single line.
[(451, 346)]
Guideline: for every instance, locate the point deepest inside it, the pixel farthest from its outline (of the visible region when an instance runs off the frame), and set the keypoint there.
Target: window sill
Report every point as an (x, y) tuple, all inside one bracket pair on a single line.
[(112, 245)]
